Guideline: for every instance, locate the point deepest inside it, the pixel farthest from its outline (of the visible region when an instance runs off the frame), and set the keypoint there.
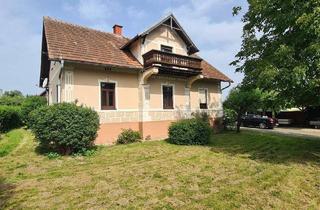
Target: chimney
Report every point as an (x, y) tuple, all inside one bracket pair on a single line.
[(117, 29)]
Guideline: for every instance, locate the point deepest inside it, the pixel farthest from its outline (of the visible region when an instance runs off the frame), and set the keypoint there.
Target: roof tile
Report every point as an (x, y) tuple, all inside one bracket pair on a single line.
[(77, 43)]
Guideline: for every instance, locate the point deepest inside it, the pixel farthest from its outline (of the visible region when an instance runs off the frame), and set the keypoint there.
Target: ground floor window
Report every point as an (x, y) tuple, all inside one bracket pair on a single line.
[(108, 96), (203, 98), (167, 94)]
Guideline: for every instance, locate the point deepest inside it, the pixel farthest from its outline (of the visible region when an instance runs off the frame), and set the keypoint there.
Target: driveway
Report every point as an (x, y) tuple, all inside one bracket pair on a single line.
[(300, 132)]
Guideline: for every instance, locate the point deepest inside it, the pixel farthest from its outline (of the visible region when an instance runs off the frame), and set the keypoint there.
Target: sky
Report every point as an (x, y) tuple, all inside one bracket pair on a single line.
[(209, 23)]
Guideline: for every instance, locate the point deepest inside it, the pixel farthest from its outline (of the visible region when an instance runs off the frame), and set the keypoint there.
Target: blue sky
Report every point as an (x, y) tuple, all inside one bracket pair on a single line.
[(209, 23)]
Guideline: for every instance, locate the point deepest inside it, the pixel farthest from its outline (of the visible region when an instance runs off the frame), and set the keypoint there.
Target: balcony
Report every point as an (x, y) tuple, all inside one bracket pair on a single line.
[(172, 63)]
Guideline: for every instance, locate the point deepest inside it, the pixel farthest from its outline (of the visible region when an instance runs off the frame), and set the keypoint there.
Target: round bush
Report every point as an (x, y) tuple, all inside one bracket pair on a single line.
[(10, 117), (128, 136), (190, 132), (64, 128), (31, 103)]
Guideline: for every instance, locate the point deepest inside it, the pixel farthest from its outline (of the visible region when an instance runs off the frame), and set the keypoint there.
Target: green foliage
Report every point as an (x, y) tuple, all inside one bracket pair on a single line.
[(201, 116), (242, 100), (12, 93), (128, 136), (9, 141), (10, 117), (229, 118), (280, 50), (31, 103), (11, 100), (53, 155), (64, 128), (190, 132)]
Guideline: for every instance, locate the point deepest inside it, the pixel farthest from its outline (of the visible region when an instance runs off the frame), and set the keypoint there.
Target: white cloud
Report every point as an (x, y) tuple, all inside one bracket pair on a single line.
[(218, 39)]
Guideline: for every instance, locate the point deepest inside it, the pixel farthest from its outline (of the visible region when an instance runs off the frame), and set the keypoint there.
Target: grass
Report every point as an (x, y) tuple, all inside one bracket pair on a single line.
[(9, 141), (248, 171)]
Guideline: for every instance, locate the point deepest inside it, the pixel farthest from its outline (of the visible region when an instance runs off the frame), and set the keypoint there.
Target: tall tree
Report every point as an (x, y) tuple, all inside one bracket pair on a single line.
[(281, 49)]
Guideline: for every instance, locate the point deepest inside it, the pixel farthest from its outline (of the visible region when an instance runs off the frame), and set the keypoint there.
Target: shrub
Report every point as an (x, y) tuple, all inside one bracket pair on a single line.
[(128, 136), (64, 128), (229, 118), (189, 132), (31, 103), (10, 117), (204, 116)]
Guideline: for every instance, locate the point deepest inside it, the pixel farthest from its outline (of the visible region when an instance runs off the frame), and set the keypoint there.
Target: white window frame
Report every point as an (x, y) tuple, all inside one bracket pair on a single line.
[(173, 95), (116, 95)]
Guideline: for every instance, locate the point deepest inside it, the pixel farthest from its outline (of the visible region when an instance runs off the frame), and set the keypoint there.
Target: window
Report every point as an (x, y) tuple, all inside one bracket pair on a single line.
[(108, 96), (165, 48), (203, 98), (167, 94)]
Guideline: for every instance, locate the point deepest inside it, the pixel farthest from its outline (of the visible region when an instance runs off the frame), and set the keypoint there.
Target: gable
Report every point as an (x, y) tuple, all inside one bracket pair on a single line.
[(164, 35), (171, 22)]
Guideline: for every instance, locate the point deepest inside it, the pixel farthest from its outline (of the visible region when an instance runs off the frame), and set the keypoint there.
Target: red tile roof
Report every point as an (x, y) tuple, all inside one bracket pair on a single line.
[(210, 72), (77, 43)]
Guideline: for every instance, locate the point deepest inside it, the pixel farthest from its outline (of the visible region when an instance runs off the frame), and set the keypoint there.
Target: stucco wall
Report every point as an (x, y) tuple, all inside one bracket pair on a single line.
[(163, 35), (86, 91), (214, 94), (87, 87)]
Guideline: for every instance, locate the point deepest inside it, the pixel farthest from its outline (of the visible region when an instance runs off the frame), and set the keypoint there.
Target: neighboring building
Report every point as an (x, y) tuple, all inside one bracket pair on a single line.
[(143, 83), (1, 92)]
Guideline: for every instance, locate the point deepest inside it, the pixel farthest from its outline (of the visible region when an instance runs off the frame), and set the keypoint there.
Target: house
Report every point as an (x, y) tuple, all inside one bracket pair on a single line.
[(143, 83)]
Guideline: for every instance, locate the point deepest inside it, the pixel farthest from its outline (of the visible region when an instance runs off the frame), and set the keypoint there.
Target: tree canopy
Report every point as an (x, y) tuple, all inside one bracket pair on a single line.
[(243, 100), (281, 49)]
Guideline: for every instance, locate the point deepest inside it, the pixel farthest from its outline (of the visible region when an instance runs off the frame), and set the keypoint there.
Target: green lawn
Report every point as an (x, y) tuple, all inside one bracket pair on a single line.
[(247, 171), (9, 141)]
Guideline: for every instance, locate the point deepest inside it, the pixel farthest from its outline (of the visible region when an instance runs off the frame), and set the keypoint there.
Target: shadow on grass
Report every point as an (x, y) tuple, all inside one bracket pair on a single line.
[(274, 148), (6, 192), (43, 150)]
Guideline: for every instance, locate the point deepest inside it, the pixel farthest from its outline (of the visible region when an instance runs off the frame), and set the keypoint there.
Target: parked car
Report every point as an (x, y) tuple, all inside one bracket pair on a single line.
[(262, 122)]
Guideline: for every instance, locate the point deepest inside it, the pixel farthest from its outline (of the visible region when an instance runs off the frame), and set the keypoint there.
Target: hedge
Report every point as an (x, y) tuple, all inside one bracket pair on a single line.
[(31, 103), (10, 117)]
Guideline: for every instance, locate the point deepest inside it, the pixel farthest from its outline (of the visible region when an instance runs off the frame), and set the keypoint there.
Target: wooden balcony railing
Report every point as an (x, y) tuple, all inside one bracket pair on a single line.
[(171, 60)]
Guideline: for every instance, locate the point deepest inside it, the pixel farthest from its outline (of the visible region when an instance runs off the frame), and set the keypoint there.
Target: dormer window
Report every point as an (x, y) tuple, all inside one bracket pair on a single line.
[(165, 48)]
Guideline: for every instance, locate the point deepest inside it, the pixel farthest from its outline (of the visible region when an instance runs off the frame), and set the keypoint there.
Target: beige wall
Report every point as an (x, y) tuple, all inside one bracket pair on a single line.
[(156, 83), (163, 35), (87, 90), (180, 97), (214, 94)]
